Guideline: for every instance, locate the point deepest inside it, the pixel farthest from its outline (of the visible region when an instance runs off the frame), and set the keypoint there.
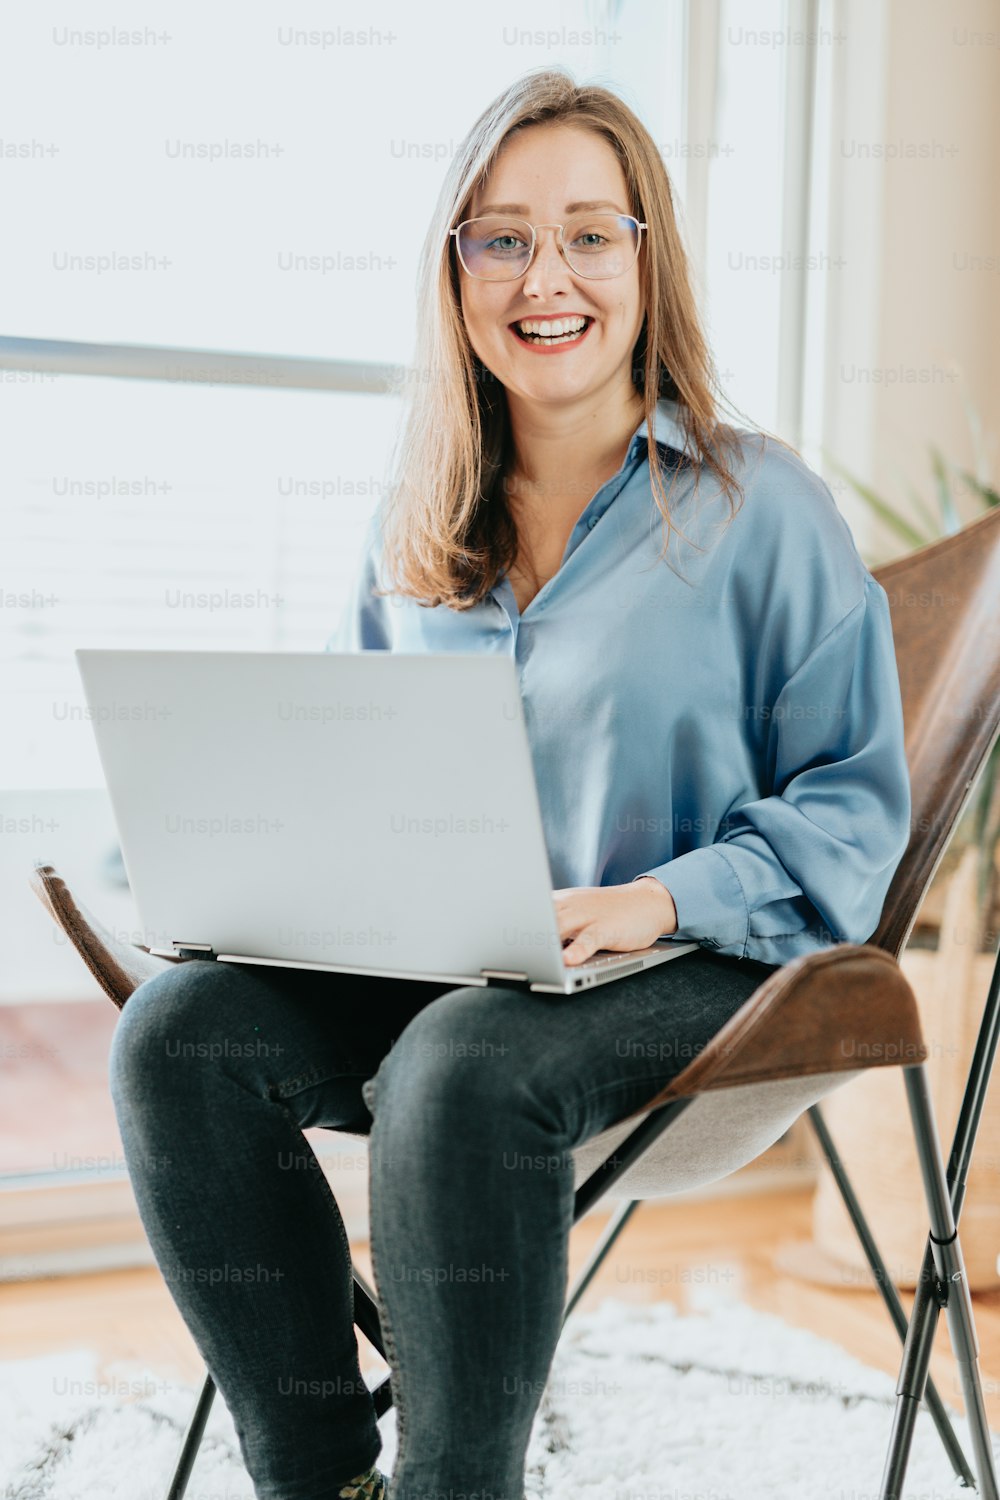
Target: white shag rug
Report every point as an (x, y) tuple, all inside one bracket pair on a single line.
[(725, 1403)]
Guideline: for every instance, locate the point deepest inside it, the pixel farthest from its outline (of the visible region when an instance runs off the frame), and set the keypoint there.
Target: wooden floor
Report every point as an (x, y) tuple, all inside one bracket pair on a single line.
[(670, 1249)]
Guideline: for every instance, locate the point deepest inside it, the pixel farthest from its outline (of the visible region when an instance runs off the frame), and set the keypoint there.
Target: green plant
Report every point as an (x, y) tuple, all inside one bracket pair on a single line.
[(947, 520)]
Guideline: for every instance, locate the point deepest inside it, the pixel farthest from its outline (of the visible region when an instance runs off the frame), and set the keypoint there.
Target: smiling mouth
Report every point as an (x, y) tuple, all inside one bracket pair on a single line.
[(550, 332)]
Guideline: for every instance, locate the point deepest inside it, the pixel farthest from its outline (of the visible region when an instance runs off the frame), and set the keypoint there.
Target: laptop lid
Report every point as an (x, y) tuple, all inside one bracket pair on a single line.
[(373, 810)]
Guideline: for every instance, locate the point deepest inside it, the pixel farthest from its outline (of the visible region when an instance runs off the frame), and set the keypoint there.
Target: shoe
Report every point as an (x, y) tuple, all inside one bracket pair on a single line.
[(371, 1485)]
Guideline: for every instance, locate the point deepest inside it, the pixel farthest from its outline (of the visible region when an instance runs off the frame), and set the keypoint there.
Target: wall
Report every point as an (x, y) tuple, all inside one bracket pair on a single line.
[(914, 315)]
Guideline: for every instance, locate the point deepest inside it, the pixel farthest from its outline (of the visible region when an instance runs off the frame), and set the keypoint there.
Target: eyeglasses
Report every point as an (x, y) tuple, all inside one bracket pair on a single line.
[(597, 246)]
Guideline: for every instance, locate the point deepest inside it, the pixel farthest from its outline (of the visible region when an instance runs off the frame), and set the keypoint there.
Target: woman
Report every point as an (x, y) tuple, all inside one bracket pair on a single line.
[(717, 733)]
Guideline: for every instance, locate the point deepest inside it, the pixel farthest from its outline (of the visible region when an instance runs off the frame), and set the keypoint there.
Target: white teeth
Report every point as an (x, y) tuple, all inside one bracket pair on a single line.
[(553, 328)]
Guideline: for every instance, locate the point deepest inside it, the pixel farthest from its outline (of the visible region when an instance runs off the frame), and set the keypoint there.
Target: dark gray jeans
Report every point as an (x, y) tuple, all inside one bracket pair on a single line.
[(474, 1100)]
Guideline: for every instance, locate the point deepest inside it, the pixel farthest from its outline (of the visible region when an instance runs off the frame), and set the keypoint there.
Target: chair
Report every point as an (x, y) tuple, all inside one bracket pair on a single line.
[(782, 1051)]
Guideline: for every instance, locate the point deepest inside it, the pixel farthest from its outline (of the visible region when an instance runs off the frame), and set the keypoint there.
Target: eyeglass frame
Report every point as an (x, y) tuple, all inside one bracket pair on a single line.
[(609, 214)]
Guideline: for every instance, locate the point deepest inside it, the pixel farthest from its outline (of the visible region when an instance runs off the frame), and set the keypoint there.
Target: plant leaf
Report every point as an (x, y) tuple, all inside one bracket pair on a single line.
[(919, 505), (976, 429), (949, 515), (984, 491), (892, 518)]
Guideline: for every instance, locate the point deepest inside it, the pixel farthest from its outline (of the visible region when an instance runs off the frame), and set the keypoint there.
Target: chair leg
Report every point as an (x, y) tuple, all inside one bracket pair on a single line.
[(192, 1441), (366, 1318), (887, 1288), (946, 1286), (600, 1251), (366, 1313)]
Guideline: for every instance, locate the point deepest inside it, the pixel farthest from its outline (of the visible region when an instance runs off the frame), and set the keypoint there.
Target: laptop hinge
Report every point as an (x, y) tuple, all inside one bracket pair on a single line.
[(177, 949), (502, 974)]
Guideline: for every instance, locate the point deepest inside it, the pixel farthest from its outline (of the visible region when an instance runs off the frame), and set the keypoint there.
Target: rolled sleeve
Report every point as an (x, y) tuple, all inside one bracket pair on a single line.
[(810, 865), (710, 901)]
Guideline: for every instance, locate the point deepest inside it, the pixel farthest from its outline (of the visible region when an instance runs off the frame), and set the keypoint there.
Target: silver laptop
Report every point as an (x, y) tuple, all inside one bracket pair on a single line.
[(364, 813)]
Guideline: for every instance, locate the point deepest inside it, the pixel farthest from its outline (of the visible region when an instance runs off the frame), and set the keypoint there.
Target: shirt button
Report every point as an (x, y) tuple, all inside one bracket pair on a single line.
[(592, 522)]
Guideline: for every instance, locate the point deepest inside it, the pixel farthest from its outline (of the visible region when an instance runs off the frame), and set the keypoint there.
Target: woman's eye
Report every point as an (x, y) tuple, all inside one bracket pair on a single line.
[(591, 240), (504, 242)]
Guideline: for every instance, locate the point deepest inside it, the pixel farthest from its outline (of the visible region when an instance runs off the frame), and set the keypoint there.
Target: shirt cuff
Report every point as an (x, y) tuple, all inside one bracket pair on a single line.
[(711, 906)]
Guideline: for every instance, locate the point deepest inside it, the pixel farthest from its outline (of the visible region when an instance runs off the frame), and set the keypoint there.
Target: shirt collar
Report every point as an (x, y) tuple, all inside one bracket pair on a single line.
[(668, 430)]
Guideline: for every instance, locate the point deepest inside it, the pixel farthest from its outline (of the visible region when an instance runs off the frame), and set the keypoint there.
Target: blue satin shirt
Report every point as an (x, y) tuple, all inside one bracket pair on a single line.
[(736, 731)]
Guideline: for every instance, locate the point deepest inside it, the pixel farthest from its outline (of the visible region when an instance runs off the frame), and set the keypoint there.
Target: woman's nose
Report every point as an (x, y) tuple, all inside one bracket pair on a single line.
[(548, 271)]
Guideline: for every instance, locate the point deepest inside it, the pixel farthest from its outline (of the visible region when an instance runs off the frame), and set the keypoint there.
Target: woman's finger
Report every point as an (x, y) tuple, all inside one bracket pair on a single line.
[(583, 946), (578, 951)]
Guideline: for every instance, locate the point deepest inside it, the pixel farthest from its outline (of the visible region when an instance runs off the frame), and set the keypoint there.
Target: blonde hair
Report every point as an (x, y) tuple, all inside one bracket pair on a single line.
[(443, 543)]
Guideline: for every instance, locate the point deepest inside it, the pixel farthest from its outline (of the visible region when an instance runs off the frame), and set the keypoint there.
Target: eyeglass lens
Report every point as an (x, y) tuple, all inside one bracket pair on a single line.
[(596, 245)]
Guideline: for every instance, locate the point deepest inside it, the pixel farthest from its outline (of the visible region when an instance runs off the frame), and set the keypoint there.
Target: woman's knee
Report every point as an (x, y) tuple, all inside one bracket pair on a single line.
[(166, 1019), (459, 1059)]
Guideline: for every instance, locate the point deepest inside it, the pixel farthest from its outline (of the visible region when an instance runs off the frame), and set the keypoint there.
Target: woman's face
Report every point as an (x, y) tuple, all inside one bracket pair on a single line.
[(541, 173)]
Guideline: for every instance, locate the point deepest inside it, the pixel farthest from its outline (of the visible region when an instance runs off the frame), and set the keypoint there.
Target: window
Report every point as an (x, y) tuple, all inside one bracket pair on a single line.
[(261, 179), (170, 515)]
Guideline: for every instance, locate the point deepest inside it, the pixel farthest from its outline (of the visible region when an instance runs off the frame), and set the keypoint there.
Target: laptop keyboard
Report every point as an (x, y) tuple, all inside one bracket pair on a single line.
[(608, 958)]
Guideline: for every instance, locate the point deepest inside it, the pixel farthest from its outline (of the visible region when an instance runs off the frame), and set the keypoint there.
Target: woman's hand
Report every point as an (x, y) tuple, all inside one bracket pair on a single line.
[(615, 917)]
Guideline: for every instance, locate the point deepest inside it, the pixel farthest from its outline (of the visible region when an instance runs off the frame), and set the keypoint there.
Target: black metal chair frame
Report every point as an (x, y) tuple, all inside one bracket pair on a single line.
[(942, 1285)]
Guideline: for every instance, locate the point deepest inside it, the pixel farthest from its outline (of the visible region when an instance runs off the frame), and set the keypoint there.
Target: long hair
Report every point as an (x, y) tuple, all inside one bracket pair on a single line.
[(448, 531)]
